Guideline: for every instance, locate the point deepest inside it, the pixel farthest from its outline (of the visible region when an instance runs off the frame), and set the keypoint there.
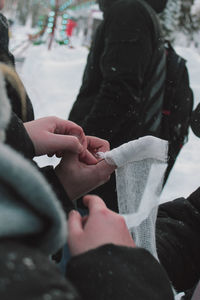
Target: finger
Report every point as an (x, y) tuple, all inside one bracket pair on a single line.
[(59, 143), (96, 144), (94, 203), (88, 158), (80, 135), (75, 226), (71, 128), (104, 170)]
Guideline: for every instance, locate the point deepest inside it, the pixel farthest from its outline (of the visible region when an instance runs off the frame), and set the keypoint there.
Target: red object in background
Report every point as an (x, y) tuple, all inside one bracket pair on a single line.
[(70, 27)]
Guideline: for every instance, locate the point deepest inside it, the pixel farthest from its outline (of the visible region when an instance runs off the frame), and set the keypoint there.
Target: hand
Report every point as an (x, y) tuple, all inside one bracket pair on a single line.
[(51, 135), (94, 145), (102, 226), (78, 178)]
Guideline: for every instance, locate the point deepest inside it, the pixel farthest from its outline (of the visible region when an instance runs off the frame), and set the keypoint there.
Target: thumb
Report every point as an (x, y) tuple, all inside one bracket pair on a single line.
[(87, 158), (74, 224), (104, 170), (59, 143)]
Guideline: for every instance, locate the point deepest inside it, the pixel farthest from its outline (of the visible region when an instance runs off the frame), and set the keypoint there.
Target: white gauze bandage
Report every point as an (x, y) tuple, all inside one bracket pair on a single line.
[(141, 165)]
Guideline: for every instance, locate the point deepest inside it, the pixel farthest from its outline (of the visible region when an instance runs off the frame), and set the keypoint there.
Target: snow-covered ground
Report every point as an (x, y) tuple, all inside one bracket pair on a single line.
[(53, 78)]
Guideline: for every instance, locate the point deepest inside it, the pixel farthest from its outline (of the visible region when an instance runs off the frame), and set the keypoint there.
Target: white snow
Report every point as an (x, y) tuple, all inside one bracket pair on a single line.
[(53, 78)]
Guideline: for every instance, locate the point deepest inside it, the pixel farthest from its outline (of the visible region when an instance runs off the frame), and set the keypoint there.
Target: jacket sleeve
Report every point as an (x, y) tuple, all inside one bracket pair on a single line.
[(178, 240), (127, 52), (114, 272), (18, 138)]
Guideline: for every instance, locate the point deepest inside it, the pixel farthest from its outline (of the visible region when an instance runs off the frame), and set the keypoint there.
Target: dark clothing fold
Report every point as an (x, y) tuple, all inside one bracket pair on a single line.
[(120, 66), (178, 240), (121, 96), (141, 276), (27, 274)]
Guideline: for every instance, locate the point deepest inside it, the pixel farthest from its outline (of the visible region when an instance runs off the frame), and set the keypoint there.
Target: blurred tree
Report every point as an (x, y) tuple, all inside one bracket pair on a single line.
[(178, 17), (170, 19), (23, 7), (186, 23)]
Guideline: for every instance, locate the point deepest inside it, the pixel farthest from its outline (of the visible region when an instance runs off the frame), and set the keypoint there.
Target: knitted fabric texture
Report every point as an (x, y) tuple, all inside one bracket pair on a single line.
[(141, 165)]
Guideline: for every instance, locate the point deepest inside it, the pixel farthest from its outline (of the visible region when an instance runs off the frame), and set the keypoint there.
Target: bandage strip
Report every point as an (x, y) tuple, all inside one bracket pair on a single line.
[(141, 165)]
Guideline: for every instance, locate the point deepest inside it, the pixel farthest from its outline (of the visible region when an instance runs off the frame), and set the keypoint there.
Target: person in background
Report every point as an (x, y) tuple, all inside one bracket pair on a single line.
[(121, 95)]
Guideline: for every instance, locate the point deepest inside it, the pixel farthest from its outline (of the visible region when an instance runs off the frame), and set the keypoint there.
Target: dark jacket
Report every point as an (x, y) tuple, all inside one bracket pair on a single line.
[(178, 240), (121, 95), (106, 273)]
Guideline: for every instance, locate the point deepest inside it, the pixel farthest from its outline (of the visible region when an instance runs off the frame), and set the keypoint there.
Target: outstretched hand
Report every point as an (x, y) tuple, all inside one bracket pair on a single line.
[(102, 226), (52, 135)]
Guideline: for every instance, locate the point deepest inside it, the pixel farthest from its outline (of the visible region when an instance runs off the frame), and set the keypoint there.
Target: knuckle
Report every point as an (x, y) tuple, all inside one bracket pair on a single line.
[(74, 140), (104, 212)]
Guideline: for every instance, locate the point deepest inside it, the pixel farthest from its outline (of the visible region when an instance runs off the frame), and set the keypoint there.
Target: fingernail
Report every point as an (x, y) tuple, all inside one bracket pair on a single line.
[(72, 212)]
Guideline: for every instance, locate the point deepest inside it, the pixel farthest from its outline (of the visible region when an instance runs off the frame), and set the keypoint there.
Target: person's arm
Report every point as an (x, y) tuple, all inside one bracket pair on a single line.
[(178, 240), (52, 135), (18, 138), (79, 170), (105, 263)]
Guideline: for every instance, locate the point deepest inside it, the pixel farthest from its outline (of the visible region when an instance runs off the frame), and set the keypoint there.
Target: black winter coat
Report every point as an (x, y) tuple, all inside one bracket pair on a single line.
[(106, 273), (178, 240), (121, 95)]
